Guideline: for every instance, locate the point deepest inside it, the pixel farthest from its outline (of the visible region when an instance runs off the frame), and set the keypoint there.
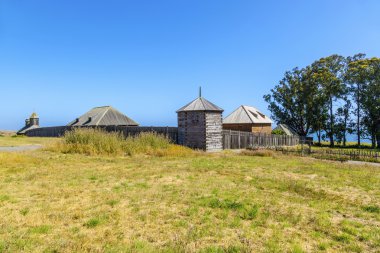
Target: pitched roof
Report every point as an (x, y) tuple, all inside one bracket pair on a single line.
[(103, 116), (246, 115), (200, 104), (27, 128), (287, 129)]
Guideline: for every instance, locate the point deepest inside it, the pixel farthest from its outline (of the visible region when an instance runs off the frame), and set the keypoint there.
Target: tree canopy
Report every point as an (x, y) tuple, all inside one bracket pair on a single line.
[(332, 97)]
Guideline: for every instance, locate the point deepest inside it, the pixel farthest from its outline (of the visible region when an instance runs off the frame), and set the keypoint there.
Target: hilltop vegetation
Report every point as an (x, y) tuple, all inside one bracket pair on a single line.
[(257, 201)]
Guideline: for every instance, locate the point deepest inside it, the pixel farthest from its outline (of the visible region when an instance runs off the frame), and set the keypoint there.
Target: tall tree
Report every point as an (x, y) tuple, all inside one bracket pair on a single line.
[(343, 126), (371, 99), (318, 112), (291, 101), (329, 73), (357, 78)]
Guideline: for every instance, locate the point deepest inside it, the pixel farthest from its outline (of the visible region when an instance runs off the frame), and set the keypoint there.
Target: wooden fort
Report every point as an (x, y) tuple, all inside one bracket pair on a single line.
[(200, 125)]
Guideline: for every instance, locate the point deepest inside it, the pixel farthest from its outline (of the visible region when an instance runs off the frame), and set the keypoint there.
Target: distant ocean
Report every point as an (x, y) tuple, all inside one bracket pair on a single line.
[(350, 138)]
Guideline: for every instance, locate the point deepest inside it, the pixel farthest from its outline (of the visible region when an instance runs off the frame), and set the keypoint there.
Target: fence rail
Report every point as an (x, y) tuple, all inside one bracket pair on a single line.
[(242, 140), (334, 154), (169, 132)]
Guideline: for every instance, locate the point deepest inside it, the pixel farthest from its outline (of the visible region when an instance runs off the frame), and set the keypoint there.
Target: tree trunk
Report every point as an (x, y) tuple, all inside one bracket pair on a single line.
[(358, 114), (373, 135), (319, 137), (331, 134), (345, 129), (344, 139), (373, 140)]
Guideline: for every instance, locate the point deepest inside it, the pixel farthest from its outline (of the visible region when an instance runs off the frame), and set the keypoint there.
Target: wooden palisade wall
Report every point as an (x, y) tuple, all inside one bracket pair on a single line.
[(170, 132)]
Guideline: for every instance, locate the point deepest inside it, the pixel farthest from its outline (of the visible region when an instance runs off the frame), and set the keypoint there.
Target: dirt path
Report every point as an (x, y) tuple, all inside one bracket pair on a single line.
[(20, 148)]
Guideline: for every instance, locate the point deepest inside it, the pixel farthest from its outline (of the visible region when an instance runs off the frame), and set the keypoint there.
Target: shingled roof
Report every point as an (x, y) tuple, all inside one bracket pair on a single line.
[(200, 104), (287, 129), (103, 116), (246, 115), (27, 128)]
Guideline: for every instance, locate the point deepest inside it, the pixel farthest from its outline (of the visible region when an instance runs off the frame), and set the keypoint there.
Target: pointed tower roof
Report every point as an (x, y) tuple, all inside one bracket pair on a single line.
[(246, 115), (200, 104), (34, 116), (103, 116)]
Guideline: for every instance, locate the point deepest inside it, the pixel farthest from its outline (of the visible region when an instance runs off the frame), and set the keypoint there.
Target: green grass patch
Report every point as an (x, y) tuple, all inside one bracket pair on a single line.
[(92, 223), (42, 229), (372, 209)]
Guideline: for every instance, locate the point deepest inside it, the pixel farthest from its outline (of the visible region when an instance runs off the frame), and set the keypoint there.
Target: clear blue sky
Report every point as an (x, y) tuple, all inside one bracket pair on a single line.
[(148, 58)]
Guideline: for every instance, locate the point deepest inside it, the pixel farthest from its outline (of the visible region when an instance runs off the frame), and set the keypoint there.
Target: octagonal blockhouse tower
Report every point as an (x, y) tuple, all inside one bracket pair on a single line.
[(200, 125)]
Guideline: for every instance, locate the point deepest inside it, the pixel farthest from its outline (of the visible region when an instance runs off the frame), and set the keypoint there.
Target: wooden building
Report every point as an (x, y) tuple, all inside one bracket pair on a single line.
[(248, 119), (286, 129), (103, 116), (31, 123), (200, 125)]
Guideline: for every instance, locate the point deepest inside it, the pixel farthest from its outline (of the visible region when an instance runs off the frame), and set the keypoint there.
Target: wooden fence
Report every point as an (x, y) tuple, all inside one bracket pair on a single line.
[(333, 154), (242, 140), (231, 139), (169, 132)]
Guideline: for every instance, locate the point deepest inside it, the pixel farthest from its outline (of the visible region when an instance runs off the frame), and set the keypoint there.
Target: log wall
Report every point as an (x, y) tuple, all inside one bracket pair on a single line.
[(169, 132)]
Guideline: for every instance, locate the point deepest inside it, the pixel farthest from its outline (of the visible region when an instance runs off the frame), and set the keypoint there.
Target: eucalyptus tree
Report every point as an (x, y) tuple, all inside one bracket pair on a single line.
[(357, 76), (291, 101), (317, 109), (343, 126), (329, 73), (371, 100)]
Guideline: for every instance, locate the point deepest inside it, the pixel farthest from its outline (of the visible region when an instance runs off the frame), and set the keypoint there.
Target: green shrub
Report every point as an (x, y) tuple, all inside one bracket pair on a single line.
[(278, 132)]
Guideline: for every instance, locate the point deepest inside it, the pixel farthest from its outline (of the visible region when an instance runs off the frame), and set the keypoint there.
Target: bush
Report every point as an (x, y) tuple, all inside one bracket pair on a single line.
[(278, 132), (92, 141)]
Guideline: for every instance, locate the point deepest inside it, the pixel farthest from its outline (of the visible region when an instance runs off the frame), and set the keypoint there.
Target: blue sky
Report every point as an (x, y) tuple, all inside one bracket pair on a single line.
[(148, 58)]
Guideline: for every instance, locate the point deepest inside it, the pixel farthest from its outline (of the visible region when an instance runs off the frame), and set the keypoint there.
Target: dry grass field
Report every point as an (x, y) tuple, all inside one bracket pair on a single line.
[(253, 202), (19, 140)]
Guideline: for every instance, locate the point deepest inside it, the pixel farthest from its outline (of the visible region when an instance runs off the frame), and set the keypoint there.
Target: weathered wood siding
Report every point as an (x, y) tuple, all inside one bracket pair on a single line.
[(242, 140), (192, 129), (201, 130), (169, 132), (253, 128), (214, 128)]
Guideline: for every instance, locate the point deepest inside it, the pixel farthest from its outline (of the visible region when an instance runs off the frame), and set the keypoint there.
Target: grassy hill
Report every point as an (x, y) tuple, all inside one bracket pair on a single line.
[(226, 202)]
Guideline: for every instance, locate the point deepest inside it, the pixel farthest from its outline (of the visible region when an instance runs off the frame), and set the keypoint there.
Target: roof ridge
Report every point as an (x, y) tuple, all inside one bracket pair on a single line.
[(104, 113), (202, 102), (249, 116)]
